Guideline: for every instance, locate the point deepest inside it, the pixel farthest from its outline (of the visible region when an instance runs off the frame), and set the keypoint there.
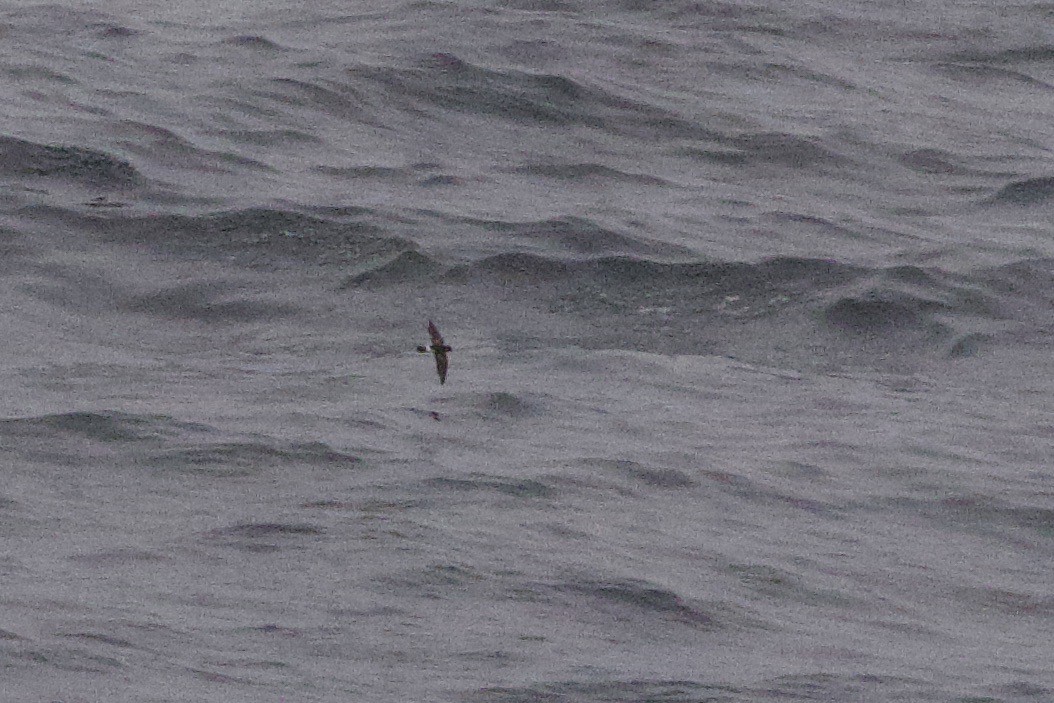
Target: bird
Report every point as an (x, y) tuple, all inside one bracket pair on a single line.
[(439, 348)]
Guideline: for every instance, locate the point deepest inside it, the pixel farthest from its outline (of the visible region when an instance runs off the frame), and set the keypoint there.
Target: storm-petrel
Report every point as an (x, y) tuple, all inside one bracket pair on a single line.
[(439, 348)]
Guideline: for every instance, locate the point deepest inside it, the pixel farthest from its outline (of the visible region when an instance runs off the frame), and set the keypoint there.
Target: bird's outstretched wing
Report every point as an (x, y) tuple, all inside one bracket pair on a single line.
[(433, 332), (441, 366)]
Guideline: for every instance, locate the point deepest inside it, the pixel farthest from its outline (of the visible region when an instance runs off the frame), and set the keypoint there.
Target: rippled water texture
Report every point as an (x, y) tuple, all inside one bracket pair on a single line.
[(749, 396)]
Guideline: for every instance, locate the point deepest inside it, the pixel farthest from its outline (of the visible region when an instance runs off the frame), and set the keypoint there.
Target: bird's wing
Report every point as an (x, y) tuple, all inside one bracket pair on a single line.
[(441, 366), (433, 332)]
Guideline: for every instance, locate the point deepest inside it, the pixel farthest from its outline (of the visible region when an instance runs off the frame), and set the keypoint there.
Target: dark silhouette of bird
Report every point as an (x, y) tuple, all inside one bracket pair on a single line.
[(440, 349)]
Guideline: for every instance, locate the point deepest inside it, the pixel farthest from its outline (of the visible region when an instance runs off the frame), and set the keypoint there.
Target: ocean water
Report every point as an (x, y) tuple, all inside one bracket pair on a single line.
[(750, 391)]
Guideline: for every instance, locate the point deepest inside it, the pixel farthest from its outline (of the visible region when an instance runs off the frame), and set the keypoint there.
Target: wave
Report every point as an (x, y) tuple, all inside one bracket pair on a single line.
[(497, 406), (79, 165), (162, 147), (504, 405), (989, 77), (809, 686), (259, 537), (574, 235), (578, 266), (87, 292), (629, 270), (243, 458), (258, 236), (1031, 191), (682, 307), (785, 150), (105, 426), (256, 530), (444, 82), (398, 174), (933, 161), (774, 584), (579, 172), (171, 445), (254, 41), (980, 514), (871, 291), (506, 269), (393, 269), (881, 312), (203, 302), (332, 97), (634, 597), (256, 138), (610, 691), (1022, 54), (523, 488), (1013, 602), (652, 477)]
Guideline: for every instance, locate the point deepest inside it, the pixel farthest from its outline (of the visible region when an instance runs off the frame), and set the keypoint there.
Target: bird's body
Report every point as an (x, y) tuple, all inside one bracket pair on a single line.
[(439, 348)]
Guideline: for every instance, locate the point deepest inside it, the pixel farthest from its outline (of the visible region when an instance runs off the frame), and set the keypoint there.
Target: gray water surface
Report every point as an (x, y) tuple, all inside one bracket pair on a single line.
[(750, 393)]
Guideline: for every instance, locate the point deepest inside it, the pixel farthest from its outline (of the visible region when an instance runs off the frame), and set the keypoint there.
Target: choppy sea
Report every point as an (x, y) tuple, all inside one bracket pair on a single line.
[(750, 399)]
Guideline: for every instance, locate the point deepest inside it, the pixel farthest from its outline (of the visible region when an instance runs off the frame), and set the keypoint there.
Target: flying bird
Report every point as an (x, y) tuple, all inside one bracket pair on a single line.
[(440, 349)]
